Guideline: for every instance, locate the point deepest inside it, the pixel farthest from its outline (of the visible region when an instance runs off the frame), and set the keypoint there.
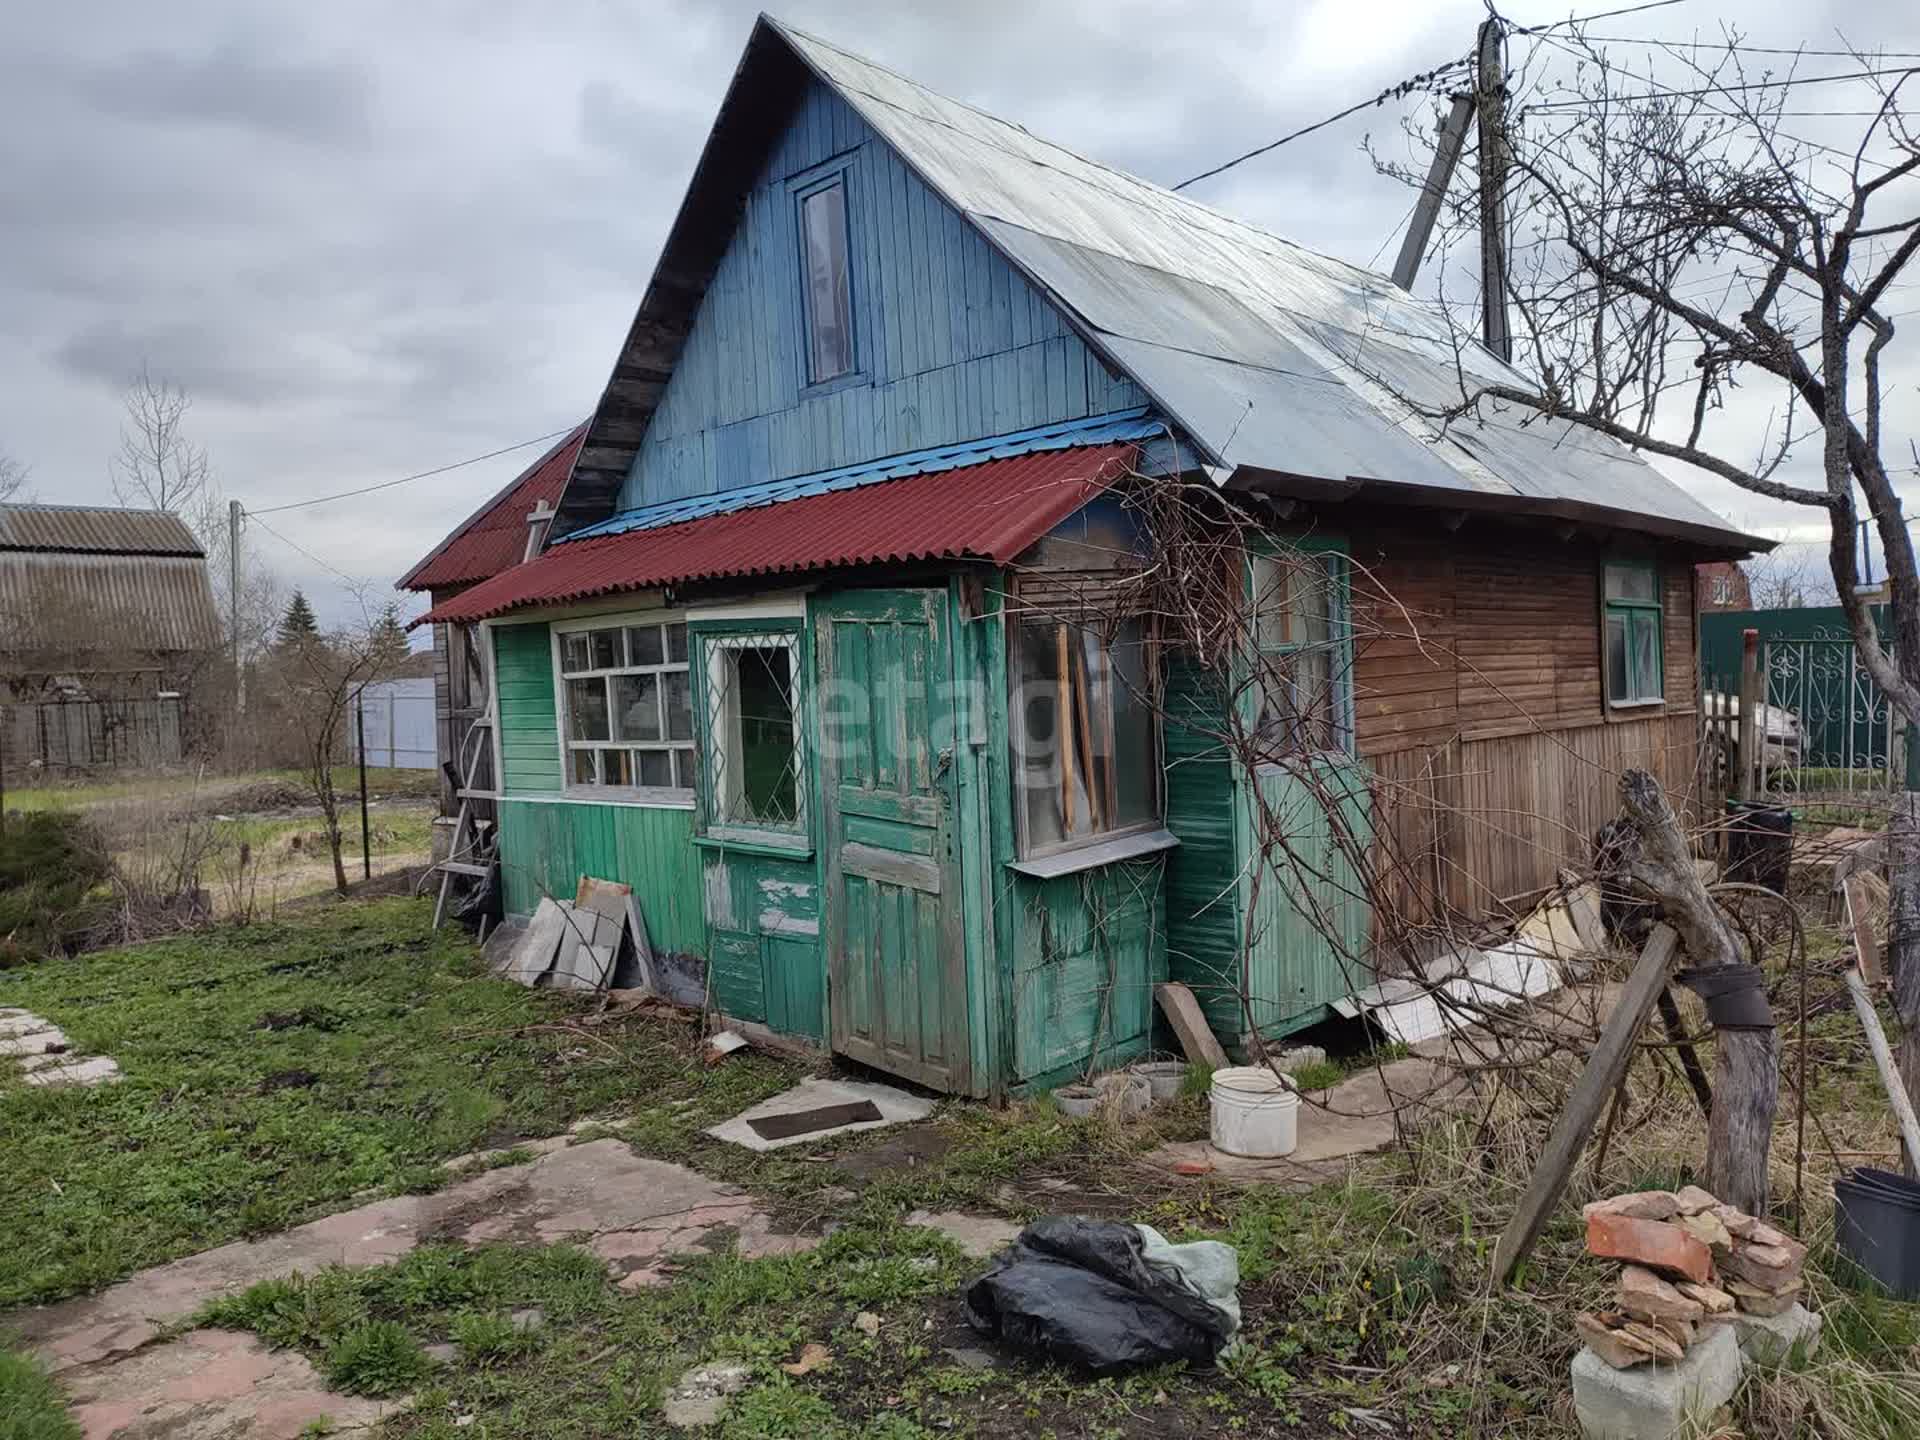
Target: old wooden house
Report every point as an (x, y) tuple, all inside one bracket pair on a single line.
[(850, 646)]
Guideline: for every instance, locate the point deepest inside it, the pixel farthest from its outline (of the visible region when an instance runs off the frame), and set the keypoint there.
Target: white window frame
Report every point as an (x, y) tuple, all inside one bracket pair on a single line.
[(673, 797), (715, 648)]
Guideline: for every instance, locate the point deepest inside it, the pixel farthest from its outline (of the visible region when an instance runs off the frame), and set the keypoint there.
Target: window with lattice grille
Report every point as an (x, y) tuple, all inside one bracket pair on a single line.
[(755, 759)]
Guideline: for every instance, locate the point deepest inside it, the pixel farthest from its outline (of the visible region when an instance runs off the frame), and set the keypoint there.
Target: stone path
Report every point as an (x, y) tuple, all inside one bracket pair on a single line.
[(634, 1213), (44, 1055)]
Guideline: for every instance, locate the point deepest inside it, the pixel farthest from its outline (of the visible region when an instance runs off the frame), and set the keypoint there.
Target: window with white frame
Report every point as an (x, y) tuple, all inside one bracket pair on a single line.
[(755, 759), (1087, 761), (1303, 684), (626, 712)]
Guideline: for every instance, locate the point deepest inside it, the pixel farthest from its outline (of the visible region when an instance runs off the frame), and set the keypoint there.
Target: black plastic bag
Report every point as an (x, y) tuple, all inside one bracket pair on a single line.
[(1080, 1291)]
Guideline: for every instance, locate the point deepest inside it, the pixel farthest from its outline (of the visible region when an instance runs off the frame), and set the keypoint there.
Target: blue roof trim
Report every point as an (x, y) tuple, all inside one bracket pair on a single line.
[(1133, 424)]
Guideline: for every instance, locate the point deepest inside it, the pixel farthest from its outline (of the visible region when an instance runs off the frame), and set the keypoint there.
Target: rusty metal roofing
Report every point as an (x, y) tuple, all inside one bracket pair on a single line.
[(96, 529), (62, 604), (989, 511), (494, 537)]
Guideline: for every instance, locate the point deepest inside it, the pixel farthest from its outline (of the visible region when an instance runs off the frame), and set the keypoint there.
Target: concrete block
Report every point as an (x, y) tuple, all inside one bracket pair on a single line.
[(94, 1071), (35, 1042), (1771, 1340), (895, 1107), (1655, 1402)]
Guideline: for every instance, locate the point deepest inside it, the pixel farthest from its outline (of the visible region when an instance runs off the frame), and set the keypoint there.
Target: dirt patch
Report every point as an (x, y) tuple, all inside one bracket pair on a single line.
[(307, 1017), (904, 1151), (288, 1080)]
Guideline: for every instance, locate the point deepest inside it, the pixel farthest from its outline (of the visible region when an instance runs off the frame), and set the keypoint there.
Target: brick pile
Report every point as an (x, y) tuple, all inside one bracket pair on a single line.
[(1687, 1262)]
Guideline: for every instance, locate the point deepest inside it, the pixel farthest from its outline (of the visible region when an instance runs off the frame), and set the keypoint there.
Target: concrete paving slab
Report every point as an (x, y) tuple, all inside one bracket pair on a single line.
[(32, 1042), (94, 1070), (22, 1022), (209, 1385), (1355, 1117), (895, 1106), (631, 1211), (979, 1236)]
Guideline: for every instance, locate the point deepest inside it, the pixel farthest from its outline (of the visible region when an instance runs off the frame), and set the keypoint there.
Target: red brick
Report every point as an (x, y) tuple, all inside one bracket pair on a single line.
[(1653, 1243)]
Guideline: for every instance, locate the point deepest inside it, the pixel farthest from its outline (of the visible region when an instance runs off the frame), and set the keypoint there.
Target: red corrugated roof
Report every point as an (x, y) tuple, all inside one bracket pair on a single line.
[(991, 511), (494, 538)]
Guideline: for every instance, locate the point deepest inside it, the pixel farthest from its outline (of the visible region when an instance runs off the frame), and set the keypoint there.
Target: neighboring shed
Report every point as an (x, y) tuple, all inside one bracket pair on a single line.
[(848, 655), (110, 600)]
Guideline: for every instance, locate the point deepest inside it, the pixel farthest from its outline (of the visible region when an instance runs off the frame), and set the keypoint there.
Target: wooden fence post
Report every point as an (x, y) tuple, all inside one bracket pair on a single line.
[(1751, 733)]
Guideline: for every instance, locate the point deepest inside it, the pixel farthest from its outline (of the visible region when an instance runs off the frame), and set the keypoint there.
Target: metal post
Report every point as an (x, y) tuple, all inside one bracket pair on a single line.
[(1491, 89), (1748, 742), (366, 839), (233, 620)]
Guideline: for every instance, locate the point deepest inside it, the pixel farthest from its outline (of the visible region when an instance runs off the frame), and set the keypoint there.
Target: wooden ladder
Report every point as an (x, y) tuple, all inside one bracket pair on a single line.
[(474, 749)]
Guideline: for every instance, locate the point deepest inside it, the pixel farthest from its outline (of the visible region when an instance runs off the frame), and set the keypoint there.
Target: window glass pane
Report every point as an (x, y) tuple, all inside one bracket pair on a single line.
[(1645, 654), (573, 651), (636, 707), (1301, 683), (1055, 798), (643, 645), (583, 771), (1273, 611), (679, 704), (1631, 580), (587, 709), (768, 774), (656, 767), (1135, 760), (606, 649), (683, 769), (677, 643), (1616, 646), (616, 767), (823, 224)]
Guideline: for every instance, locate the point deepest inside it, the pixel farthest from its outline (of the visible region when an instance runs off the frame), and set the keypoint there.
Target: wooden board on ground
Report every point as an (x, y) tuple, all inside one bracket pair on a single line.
[(533, 954), (1189, 1024), (806, 1122), (1590, 1095), (1883, 1061)]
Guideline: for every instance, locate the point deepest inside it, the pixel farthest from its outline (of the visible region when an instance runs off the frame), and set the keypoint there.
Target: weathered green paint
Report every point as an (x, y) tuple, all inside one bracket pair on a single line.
[(981, 782), (546, 846), (1205, 888), (895, 955), (763, 916), (529, 723), (1089, 950)]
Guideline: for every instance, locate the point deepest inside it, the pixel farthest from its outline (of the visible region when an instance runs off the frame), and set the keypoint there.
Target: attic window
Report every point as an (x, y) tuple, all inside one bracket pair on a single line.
[(828, 283)]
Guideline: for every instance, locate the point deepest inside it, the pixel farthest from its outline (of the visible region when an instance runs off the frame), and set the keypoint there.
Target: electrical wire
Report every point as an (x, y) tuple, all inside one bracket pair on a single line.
[(1734, 45), (1385, 95), (1589, 19), (1785, 83), (296, 545), (418, 475)]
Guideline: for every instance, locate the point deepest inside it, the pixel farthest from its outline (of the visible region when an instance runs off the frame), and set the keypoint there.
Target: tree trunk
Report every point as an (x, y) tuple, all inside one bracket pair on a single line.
[(1746, 1083), (1903, 940)]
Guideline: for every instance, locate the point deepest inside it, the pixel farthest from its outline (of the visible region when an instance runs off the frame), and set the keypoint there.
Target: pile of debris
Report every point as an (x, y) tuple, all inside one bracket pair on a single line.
[(1689, 1262)]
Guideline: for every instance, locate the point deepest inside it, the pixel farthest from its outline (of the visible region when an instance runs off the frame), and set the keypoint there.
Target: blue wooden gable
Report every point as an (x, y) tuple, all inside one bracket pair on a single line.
[(952, 344)]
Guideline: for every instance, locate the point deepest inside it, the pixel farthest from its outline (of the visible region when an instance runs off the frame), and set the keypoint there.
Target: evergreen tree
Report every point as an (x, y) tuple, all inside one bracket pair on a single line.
[(388, 640), (298, 626)]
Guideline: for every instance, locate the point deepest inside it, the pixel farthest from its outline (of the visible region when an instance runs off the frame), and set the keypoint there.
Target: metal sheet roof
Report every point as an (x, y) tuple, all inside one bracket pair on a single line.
[(95, 528), (991, 510), (494, 537), (1271, 356), (62, 605)]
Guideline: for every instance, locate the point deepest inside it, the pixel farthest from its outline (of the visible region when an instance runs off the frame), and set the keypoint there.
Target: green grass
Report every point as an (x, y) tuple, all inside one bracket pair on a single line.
[(30, 1404), (276, 1073), (85, 795)]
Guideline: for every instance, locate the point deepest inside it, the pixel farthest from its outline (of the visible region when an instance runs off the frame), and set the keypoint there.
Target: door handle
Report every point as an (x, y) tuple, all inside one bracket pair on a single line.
[(944, 764)]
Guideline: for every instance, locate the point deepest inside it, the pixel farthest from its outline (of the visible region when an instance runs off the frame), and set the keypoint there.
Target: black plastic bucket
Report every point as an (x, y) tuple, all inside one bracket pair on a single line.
[(1759, 843), (1877, 1225)]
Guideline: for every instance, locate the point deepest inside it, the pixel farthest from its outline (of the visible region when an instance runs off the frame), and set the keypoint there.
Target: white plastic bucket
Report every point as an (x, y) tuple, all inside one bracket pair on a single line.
[(1254, 1113)]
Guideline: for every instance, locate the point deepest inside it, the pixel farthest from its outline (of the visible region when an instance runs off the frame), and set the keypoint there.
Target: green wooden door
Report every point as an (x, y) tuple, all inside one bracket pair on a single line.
[(896, 966)]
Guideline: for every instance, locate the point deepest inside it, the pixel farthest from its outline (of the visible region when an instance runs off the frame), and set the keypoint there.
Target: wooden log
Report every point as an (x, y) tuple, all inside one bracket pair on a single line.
[(1883, 1061), (1866, 945), (1605, 1068)]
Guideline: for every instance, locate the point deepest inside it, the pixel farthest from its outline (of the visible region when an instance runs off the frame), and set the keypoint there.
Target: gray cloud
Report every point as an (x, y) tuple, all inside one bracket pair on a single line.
[(318, 101)]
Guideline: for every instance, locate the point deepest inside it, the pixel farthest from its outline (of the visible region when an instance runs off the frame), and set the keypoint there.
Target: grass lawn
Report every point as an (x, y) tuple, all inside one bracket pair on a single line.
[(216, 788)]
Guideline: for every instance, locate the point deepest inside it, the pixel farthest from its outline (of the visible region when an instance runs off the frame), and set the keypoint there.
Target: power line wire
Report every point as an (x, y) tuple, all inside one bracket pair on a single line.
[(294, 544), (419, 475), (1385, 95), (1588, 19), (1696, 43), (1664, 92)]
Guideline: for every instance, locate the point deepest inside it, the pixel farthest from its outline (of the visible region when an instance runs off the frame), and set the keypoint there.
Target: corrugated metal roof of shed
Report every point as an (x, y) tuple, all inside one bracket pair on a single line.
[(494, 537), (68, 604), (989, 511), (95, 528)]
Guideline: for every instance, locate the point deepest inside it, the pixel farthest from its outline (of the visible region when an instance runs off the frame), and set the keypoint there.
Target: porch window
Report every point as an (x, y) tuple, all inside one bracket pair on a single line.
[(1303, 685), (1631, 630), (827, 280), (626, 714), (754, 757), (1088, 761)]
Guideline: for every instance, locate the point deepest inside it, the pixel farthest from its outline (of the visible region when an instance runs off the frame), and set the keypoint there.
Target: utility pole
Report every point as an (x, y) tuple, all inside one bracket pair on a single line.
[(1491, 94), (233, 619), (1446, 155)]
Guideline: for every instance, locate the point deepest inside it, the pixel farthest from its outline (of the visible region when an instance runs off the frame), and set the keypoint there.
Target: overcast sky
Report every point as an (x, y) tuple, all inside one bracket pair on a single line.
[(375, 238)]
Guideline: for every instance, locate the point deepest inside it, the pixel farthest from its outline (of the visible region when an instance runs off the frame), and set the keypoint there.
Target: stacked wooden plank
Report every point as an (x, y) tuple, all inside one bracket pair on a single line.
[(576, 944), (1688, 1262)]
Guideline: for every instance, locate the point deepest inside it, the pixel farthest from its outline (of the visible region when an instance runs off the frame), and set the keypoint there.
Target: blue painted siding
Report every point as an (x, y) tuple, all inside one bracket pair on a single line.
[(952, 344)]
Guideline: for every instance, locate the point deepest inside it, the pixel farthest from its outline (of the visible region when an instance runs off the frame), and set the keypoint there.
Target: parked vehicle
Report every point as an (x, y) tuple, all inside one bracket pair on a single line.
[(1781, 747)]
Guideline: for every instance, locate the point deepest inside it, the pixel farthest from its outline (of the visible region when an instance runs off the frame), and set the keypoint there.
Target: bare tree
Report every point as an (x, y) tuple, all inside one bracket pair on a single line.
[(157, 466), (13, 478), (1692, 278), (1791, 578), (310, 688)]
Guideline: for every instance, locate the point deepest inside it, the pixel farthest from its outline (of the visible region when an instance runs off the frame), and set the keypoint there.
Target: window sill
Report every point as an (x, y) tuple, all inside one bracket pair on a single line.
[(1636, 704), (757, 842), (1100, 852), (628, 799)]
